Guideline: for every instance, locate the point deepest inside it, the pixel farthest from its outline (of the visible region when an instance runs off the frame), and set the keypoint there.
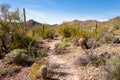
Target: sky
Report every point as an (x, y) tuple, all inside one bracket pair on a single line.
[(59, 11)]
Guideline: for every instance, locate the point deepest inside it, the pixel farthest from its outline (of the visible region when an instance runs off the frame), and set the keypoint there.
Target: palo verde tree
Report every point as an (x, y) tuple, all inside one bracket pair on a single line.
[(5, 20), (12, 30)]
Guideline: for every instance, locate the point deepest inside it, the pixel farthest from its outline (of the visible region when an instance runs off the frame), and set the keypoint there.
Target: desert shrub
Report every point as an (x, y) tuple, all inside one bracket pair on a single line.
[(67, 30), (9, 70), (60, 47), (116, 27), (89, 59), (71, 30), (95, 60), (92, 43), (108, 39), (34, 70), (102, 41), (12, 30), (50, 33), (107, 36), (17, 56), (113, 68), (64, 40), (37, 52), (2, 55), (21, 41), (102, 29), (86, 33), (34, 32), (81, 61), (75, 41), (116, 32), (44, 31), (43, 52)]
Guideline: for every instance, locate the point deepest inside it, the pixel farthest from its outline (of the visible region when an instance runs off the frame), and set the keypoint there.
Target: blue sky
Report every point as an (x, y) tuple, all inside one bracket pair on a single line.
[(58, 11)]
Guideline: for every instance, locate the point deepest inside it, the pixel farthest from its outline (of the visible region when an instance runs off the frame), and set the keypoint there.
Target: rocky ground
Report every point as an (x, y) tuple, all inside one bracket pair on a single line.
[(62, 66)]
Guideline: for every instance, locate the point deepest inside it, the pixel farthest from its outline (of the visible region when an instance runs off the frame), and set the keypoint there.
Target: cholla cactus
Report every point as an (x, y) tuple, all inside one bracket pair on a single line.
[(43, 71), (17, 56), (82, 43)]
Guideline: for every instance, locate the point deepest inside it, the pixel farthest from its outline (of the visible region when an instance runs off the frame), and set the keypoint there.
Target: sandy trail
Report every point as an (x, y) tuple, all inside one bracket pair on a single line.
[(65, 70)]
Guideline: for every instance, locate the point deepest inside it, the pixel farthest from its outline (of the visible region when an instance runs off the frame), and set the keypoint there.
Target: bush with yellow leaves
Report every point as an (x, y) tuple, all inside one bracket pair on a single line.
[(34, 70)]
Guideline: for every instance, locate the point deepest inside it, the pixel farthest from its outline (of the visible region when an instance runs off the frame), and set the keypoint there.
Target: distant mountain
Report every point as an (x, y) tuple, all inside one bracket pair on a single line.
[(113, 22), (114, 19), (31, 23), (92, 23), (83, 24), (86, 24)]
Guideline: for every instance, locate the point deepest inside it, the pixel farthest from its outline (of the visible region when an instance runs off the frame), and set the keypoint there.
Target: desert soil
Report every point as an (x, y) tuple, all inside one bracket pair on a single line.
[(65, 69)]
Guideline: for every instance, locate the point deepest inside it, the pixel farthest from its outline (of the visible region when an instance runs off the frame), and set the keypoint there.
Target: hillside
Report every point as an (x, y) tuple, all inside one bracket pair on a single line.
[(31, 23), (83, 24)]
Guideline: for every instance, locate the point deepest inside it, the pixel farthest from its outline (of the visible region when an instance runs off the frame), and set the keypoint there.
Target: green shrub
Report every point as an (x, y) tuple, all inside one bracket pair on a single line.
[(116, 32), (21, 43), (107, 37), (34, 32), (66, 30), (71, 30), (113, 68), (44, 31), (17, 56), (37, 53), (21, 40), (65, 40), (2, 55), (60, 47), (86, 34)]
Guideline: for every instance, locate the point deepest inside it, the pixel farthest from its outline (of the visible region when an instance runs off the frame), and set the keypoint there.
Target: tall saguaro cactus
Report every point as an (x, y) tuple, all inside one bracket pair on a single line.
[(43, 30), (95, 31), (24, 14)]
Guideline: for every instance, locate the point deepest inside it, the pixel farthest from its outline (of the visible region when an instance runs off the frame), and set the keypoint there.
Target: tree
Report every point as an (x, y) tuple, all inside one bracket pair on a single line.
[(8, 26)]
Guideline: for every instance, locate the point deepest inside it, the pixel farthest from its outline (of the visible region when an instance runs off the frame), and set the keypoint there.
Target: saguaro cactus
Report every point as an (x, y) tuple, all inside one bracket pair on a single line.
[(43, 31), (24, 14)]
